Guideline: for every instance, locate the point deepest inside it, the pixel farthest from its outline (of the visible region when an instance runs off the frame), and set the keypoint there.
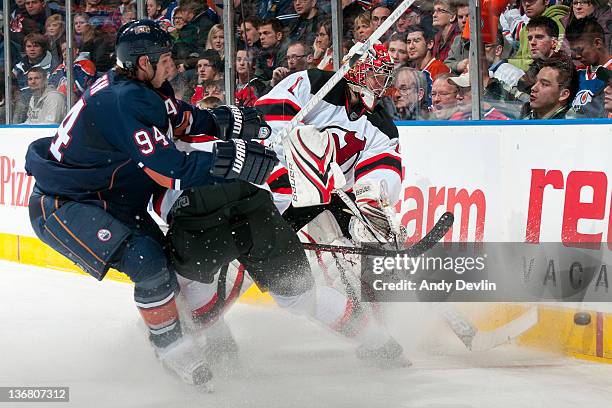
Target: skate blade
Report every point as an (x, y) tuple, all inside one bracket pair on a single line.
[(400, 362), (206, 388)]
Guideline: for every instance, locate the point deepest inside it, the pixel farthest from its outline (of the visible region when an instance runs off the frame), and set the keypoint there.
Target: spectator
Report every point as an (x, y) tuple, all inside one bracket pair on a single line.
[(398, 50), (458, 55), (499, 68), (445, 22), (154, 9), (309, 18), (210, 102), (100, 45), (178, 22), (598, 9), (269, 9), (350, 11), (534, 8), (46, 105), (100, 15), (36, 54), (128, 13), (248, 87), (299, 57), (410, 18), (83, 71), (362, 29), (379, 15), (605, 75), (463, 13), (208, 67), (419, 43), (495, 91), (410, 98), (587, 42), (215, 40), (18, 13), (322, 50), (214, 88), (193, 35), (464, 99), (82, 28), (555, 87), (55, 31), (36, 16), (248, 32), (15, 48), (274, 49), (543, 35), (444, 97)]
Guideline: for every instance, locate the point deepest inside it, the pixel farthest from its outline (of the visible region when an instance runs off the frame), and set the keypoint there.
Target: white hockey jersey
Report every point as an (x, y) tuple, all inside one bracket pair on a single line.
[(367, 143)]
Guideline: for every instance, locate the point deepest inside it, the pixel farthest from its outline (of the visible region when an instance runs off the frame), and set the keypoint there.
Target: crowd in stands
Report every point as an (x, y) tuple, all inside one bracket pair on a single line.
[(541, 59)]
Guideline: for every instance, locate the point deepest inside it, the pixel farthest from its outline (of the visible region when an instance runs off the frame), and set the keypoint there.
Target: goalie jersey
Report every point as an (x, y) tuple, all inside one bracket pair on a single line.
[(367, 143)]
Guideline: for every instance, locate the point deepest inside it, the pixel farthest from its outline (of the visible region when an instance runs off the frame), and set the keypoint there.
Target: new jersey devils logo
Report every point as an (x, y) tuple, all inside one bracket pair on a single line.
[(348, 145)]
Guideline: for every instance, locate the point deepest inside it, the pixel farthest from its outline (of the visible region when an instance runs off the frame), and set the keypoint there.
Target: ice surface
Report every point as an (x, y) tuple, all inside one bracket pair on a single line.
[(62, 329)]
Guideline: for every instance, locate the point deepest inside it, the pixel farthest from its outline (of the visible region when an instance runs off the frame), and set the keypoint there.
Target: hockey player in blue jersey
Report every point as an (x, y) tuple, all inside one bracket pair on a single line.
[(115, 149)]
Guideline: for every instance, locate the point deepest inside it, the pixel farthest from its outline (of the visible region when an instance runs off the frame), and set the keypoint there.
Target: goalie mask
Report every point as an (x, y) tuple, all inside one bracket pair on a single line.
[(371, 77)]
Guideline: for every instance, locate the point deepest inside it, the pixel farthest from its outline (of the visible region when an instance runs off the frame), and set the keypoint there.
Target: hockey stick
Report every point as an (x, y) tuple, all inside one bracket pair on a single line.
[(426, 243), (357, 213), (478, 340)]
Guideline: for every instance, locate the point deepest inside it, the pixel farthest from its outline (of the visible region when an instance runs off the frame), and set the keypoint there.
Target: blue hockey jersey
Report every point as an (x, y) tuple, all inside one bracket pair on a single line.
[(115, 147)]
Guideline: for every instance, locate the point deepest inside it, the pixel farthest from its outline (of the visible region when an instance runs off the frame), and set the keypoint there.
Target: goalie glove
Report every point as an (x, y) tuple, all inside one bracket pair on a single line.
[(242, 160), (235, 122), (369, 200)]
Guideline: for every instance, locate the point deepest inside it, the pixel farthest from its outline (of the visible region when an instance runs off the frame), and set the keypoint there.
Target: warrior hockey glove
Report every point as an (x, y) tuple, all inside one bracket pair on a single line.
[(245, 123), (239, 159)]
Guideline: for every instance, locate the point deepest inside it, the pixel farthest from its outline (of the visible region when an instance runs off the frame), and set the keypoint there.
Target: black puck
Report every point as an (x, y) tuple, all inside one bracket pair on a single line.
[(582, 318)]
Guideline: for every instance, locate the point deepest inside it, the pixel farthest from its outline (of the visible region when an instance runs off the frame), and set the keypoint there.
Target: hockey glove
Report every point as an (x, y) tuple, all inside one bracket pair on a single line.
[(369, 200), (242, 160), (235, 122)]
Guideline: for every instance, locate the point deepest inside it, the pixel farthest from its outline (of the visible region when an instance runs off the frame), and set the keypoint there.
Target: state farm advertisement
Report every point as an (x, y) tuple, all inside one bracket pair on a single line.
[(521, 183)]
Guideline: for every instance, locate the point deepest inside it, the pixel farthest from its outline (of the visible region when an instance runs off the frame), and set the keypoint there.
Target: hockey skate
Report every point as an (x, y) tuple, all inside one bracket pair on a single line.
[(219, 343), (389, 355), (185, 359)]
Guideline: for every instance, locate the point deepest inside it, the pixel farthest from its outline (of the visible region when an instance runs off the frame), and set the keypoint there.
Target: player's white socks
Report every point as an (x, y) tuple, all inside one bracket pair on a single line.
[(331, 308)]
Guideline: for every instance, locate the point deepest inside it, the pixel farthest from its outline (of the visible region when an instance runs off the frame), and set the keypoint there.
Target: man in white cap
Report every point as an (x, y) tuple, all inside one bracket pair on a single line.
[(464, 98)]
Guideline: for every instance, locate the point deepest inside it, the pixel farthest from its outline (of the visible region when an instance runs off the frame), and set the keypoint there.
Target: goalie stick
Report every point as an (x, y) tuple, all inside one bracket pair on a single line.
[(479, 340), (426, 243)]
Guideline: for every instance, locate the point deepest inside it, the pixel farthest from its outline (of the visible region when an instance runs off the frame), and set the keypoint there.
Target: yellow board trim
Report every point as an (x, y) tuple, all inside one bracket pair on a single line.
[(32, 251)]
